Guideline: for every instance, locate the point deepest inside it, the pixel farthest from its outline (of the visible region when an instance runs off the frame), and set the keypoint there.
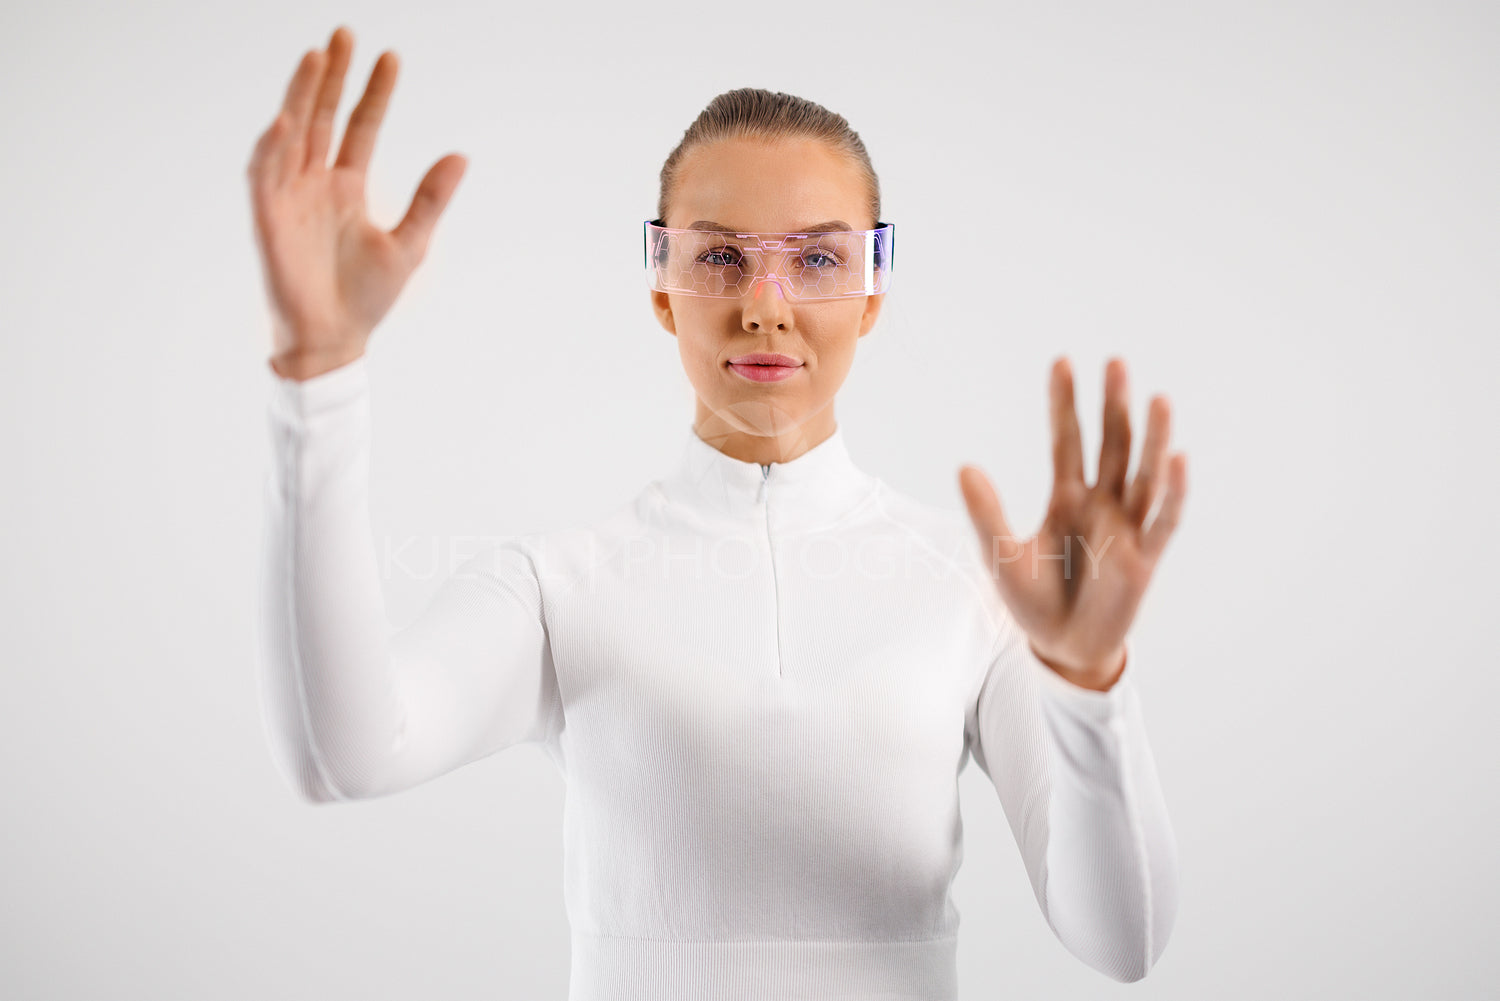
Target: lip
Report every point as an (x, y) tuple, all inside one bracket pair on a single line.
[(762, 358), (763, 367)]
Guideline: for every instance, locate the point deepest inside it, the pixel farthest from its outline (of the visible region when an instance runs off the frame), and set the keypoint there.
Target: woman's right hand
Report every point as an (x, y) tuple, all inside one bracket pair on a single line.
[(331, 274)]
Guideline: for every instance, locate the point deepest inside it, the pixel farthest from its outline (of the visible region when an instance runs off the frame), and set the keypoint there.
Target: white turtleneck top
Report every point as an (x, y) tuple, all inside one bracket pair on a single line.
[(760, 683)]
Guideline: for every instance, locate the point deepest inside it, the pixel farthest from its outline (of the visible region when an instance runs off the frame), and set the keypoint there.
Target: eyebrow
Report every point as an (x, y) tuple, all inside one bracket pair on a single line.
[(822, 227)]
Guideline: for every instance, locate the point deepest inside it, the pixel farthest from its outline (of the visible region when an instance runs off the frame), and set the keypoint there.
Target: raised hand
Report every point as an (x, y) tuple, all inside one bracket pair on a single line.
[(331, 274), (1077, 610)]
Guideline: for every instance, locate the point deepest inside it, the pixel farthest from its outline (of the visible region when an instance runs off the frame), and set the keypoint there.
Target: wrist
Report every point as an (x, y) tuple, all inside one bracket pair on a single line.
[(1099, 677), (303, 365)]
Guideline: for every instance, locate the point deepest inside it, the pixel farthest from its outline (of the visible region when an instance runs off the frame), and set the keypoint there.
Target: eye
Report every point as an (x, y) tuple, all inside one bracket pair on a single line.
[(829, 260), (730, 257)]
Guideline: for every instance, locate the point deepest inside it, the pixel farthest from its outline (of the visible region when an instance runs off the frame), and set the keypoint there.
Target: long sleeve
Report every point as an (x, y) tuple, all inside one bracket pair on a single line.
[(352, 707), (1078, 783)]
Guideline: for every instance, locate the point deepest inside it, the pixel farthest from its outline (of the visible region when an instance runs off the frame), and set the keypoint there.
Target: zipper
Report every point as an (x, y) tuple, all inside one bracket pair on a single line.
[(765, 515)]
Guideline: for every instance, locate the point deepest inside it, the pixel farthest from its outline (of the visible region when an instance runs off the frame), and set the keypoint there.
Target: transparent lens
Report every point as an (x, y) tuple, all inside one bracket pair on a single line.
[(805, 265)]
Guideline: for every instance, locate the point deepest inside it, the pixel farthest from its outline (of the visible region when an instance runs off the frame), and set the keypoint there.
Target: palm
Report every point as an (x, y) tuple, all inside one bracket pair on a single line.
[(1075, 585), (372, 263), (327, 258)]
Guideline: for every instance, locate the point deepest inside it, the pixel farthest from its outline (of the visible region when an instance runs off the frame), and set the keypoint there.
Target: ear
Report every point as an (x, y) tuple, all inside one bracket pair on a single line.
[(872, 311), (661, 305)]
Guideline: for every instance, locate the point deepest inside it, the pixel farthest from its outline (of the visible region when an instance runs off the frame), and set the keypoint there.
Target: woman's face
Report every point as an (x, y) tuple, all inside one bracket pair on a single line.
[(751, 186)]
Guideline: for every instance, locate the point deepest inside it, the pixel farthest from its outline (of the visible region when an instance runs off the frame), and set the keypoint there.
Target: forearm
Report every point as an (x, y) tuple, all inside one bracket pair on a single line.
[(1110, 884), (331, 704)]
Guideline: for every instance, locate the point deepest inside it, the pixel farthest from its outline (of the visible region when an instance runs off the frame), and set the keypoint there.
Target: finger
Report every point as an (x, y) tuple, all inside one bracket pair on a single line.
[(365, 119), (278, 137), (1155, 539), (1114, 451), (1067, 443), (265, 147), (298, 109), (327, 103), (997, 541), (415, 228), (1144, 486)]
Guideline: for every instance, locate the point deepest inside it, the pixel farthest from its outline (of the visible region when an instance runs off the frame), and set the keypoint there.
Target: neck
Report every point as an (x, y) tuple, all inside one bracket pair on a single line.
[(785, 443), (722, 494)]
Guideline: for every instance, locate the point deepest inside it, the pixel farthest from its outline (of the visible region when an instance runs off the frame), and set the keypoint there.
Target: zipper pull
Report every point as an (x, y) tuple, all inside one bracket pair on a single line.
[(765, 477)]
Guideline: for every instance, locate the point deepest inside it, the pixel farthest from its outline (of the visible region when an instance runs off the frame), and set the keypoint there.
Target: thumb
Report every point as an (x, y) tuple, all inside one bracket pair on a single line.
[(415, 228), (988, 517)]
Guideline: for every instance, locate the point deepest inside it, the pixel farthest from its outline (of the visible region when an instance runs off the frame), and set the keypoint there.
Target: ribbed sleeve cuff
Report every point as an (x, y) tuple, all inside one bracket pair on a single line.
[(296, 401), (1102, 706)]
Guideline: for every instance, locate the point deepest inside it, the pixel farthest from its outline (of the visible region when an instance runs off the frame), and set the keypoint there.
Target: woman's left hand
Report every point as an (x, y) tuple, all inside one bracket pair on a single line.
[(1075, 585)]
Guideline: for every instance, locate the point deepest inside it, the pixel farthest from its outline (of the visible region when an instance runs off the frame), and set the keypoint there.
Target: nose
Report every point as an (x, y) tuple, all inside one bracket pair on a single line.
[(766, 309), (771, 281)]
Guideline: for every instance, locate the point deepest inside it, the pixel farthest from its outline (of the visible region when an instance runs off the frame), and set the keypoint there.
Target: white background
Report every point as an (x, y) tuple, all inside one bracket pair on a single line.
[(1284, 217)]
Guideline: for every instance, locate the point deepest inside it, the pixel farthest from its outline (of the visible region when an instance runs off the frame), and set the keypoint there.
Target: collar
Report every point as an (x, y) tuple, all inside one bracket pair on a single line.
[(812, 491)]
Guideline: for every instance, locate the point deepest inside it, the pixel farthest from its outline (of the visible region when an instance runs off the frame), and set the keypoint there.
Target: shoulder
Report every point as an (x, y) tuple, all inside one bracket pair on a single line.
[(949, 536), (947, 531)]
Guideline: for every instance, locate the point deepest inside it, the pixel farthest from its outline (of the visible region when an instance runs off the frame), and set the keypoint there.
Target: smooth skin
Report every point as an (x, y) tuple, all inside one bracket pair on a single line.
[(331, 276), (758, 187)]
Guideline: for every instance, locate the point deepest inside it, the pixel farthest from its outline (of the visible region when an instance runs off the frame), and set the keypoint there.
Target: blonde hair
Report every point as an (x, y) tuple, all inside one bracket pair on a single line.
[(754, 113)]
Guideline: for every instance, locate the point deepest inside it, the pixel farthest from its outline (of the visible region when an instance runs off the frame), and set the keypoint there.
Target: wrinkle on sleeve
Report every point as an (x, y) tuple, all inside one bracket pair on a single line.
[(1079, 787), (353, 707)]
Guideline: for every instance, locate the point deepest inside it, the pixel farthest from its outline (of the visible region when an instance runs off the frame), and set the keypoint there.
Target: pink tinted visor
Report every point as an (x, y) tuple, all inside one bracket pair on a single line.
[(804, 266)]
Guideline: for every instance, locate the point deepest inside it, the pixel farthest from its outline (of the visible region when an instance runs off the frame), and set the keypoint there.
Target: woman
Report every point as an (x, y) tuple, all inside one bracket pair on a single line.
[(760, 678)]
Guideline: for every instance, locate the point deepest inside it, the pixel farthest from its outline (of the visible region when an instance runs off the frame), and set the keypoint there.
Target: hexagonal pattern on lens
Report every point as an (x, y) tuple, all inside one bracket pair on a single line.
[(824, 265)]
